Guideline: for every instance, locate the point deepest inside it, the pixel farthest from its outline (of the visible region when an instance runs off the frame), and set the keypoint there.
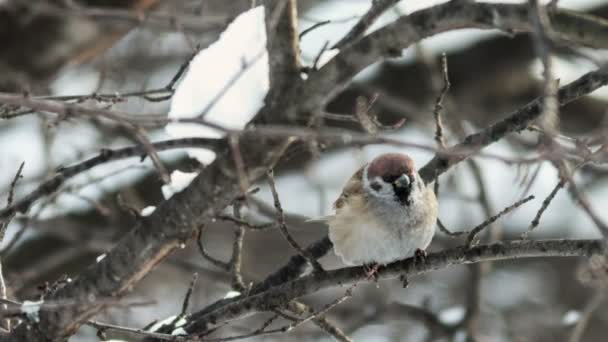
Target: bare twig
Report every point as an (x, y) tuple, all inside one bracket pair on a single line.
[(283, 227), (237, 252), (320, 321), (233, 141), (439, 136), (186, 302), (106, 155), (315, 62), (535, 222), (542, 33), (216, 262), (248, 225), (484, 224), (582, 200), (136, 332), (378, 7), (313, 27), (3, 226), (445, 230), (593, 304)]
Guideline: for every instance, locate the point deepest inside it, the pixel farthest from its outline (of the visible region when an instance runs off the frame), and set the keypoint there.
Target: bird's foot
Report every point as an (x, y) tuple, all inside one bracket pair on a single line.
[(420, 254), (404, 282), (371, 271)]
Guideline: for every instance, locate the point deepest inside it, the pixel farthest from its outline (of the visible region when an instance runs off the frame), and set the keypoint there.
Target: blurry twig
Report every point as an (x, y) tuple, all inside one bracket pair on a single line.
[(320, 321), (378, 7), (3, 226), (314, 27), (484, 224), (201, 247), (439, 136), (64, 173), (542, 41), (237, 252), (186, 301), (593, 304), (245, 224), (65, 110), (237, 156), (283, 227), (445, 230), (535, 222)]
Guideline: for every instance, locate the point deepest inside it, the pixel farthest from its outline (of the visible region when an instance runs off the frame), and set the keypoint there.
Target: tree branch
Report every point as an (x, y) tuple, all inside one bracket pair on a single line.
[(281, 295)]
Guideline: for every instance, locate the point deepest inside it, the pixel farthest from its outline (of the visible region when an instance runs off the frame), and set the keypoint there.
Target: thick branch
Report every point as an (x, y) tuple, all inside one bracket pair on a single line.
[(390, 40), (106, 155), (281, 295), (515, 122)]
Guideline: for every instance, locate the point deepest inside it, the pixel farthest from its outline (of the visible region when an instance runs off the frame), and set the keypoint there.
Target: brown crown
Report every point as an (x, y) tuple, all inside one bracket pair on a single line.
[(390, 164)]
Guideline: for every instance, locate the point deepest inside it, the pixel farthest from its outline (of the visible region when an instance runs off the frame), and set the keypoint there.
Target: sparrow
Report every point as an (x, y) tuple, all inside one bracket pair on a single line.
[(385, 213)]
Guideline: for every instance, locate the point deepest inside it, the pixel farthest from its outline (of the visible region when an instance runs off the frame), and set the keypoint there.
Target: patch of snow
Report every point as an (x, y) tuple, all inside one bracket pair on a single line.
[(167, 321), (452, 315), (147, 211), (101, 257), (179, 331), (571, 317), (179, 181), (32, 309), (226, 83), (232, 294)]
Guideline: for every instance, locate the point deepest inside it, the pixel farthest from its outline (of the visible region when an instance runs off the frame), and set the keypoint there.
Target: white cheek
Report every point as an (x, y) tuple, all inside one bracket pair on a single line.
[(386, 190)]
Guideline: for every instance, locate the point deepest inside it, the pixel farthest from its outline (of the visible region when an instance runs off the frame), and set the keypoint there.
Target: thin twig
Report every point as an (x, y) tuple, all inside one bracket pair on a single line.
[(542, 41), (313, 27), (320, 321), (237, 252), (106, 155), (218, 263), (484, 224), (593, 304), (3, 226), (315, 62), (137, 332), (283, 227), (582, 200), (186, 302), (248, 225), (378, 7), (536, 221), (439, 136), (445, 230)]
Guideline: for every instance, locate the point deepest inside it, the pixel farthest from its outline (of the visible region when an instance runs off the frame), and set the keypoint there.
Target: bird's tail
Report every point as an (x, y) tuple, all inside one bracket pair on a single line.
[(322, 219)]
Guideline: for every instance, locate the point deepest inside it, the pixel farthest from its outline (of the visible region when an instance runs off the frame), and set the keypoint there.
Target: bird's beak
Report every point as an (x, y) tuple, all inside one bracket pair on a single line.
[(403, 181)]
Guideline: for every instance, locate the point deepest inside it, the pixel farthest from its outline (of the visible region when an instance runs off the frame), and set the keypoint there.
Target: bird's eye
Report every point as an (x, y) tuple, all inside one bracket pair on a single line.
[(389, 179), (376, 186)]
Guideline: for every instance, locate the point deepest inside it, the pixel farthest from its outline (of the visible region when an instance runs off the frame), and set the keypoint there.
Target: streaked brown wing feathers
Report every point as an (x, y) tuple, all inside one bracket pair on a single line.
[(353, 187)]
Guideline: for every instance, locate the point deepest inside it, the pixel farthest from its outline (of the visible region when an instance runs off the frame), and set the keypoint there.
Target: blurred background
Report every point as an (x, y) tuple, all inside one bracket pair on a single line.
[(107, 47)]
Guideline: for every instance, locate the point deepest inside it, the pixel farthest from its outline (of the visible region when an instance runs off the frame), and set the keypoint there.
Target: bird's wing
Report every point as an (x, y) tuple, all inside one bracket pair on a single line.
[(353, 187)]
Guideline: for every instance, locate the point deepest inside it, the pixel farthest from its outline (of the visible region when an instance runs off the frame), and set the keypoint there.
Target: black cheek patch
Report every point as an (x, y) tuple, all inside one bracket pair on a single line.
[(376, 186), (403, 194)]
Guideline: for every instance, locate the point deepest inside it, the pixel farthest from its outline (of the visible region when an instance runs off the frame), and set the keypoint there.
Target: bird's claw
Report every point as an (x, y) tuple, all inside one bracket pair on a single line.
[(420, 254), (404, 282), (371, 271)]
